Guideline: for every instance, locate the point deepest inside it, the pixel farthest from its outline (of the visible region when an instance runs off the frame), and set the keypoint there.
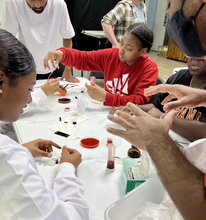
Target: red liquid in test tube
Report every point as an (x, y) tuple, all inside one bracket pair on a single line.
[(111, 154)]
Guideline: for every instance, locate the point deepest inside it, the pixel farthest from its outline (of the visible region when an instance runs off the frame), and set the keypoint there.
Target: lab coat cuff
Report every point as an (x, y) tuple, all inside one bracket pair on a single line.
[(66, 169)]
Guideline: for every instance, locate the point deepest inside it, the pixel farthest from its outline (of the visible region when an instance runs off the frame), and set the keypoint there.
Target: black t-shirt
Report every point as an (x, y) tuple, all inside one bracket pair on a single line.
[(182, 77)]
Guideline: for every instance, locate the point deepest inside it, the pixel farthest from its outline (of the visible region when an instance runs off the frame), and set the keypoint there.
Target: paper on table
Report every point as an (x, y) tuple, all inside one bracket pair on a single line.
[(78, 119), (66, 128)]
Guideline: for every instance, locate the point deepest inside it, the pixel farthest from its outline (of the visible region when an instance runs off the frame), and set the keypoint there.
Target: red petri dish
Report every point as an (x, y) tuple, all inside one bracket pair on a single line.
[(89, 142), (64, 100)]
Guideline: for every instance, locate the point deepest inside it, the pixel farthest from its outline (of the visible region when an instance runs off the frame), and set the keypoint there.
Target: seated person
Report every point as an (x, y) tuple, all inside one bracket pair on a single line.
[(127, 70), (38, 96), (193, 127), (23, 192)]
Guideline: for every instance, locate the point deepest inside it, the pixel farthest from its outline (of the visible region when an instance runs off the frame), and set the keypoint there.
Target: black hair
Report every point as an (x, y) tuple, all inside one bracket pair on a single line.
[(142, 33), (15, 59)]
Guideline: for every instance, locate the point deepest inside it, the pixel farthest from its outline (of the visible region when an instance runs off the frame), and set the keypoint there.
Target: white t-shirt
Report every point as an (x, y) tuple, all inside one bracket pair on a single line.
[(39, 32), (23, 194)]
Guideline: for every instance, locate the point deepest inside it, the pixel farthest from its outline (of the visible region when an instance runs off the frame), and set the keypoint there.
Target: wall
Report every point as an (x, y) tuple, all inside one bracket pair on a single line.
[(159, 27), (151, 13), (2, 12)]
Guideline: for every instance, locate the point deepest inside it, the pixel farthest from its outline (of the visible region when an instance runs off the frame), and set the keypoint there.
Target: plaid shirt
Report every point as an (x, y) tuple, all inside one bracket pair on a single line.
[(122, 16)]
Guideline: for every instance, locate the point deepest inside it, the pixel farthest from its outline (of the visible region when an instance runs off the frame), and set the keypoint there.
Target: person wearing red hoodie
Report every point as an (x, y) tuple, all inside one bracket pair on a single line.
[(127, 70)]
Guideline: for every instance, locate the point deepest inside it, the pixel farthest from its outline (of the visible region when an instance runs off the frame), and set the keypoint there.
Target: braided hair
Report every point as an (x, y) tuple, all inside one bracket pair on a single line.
[(142, 33)]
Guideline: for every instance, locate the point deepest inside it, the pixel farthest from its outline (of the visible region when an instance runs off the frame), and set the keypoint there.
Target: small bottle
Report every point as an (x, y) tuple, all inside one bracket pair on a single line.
[(81, 103), (111, 154)]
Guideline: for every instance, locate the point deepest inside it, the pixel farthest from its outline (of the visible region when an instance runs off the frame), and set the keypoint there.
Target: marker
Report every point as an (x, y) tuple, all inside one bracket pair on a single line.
[(60, 119)]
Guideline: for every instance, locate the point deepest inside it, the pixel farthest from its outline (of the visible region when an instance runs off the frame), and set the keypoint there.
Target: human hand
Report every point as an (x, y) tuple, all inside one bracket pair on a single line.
[(67, 75), (186, 96), (115, 45), (70, 156), (141, 129), (41, 147), (50, 86), (155, 112), (54, 57), (96, 92), (122, 108)]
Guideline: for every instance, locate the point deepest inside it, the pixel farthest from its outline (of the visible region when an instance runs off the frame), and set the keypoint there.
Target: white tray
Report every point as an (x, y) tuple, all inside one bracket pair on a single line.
[(128, 206)]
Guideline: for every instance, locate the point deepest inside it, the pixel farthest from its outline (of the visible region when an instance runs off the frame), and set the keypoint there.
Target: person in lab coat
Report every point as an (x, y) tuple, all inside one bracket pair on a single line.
[(22, 190)]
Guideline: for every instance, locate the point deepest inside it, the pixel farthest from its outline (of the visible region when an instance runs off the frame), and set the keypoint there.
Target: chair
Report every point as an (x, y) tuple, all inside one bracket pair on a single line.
[(98, 75)]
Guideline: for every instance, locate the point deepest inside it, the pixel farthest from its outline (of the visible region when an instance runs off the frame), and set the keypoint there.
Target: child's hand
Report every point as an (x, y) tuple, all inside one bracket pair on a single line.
[(50, 86), (70, 156), (41, 147), (54, 57), (96, 92)]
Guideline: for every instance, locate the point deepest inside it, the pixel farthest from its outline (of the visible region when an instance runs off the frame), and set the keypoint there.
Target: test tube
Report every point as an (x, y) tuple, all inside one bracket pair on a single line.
[(111, 154)]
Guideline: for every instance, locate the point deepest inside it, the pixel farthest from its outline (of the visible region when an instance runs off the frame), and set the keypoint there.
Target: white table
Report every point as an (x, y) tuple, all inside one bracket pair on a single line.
[(102, 188), (93, 33)]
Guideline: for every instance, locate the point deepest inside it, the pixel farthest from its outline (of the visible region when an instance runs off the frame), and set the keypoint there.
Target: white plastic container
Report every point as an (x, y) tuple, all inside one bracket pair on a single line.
[(127, 208), (81, 103)]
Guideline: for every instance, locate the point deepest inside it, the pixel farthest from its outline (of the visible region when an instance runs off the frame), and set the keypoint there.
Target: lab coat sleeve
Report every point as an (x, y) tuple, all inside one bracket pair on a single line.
[(66, 176), (24, 195), (38, 96)]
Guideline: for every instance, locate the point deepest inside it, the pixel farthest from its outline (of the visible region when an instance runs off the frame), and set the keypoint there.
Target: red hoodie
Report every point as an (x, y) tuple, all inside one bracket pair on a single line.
[(122, 82)]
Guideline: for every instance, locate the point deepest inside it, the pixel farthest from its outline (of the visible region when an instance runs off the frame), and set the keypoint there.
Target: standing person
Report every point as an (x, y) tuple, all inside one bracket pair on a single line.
[(127, 70), (22, 190), (39, 23), (125, 13), (184, 182)]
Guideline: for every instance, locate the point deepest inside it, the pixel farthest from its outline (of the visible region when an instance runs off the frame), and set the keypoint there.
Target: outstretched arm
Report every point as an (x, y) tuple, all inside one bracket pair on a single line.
[(186, 96), (182, 180)]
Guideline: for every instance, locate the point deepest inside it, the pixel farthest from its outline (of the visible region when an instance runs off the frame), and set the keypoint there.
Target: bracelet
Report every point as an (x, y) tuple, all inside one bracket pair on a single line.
[(162, 116)]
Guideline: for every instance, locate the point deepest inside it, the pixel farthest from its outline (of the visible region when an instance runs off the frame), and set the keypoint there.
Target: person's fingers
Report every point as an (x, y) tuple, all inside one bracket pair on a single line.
[(52, 59), (49, 148), (117, 132), (129, 119), (73, 79), (47, 142), (136, 110), (172, 105), (76, 80), (163, 88), (167, 99), (168, 119), (88, 86), (120, 120), (43, 153), (46, 64), (112, 111), (72, 151)]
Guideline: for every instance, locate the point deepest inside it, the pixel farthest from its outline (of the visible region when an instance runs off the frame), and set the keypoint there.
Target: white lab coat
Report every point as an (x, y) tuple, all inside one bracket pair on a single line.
[(23, 194)]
